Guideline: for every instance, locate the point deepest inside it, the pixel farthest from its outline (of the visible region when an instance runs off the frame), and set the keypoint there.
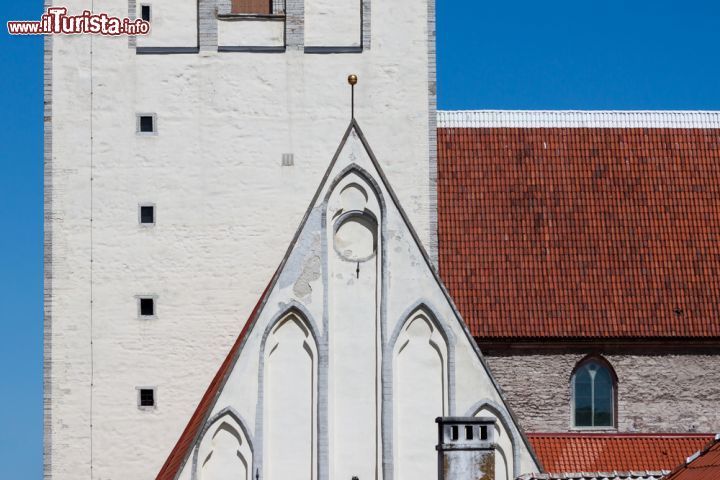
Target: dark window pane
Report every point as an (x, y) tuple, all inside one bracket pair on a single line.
[(147, 397), (147, 124), (147, 214), (145, 12), (147, 307), (604, 398), (468, 432), (583, 398), (583, 417)]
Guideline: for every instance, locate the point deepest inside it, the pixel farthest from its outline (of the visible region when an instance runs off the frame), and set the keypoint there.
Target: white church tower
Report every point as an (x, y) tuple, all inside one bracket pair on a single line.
[(177, 168)]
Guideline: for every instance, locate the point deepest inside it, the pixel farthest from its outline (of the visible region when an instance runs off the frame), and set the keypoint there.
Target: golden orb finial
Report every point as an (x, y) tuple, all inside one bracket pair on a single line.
[(352, 79)]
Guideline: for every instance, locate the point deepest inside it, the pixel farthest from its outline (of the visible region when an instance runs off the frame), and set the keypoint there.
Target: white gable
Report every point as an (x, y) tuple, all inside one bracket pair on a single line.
[(355, 350)]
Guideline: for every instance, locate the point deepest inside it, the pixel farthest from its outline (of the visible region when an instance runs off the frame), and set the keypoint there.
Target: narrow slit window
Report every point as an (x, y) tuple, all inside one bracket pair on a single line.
[(468, 432), (147, 307), (483, 433), (147, 124), (147, 214), (454, 433), (146, 397), (145, 12)]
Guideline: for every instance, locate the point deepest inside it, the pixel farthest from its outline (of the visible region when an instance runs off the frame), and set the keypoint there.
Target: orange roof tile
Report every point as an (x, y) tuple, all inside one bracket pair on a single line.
[(704, 465), (614, 452), (581, 232)]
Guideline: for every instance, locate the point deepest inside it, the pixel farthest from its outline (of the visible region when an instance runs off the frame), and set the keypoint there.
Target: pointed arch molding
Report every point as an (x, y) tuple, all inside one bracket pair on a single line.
[(597, 358), (506, 419), (225, 412), (301, 313), (421, 307), (374, 189)]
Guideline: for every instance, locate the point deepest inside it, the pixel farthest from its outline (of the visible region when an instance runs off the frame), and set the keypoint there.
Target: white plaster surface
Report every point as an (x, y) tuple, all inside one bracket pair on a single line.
[(173, 23), (333, 23), (252, 33)]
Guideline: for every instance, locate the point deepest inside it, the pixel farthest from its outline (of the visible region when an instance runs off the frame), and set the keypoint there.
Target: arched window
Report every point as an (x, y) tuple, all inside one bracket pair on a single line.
[(593, 394)]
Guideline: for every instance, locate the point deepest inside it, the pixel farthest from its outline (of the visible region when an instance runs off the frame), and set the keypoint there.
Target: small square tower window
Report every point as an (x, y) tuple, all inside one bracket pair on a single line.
[(147, 215), (146, 124), (145, 12), (147, 306), (146, 398)]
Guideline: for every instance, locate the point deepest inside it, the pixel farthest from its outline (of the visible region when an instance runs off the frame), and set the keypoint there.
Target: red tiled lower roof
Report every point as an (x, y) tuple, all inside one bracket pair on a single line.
[(614, 452), (581, 232), (703, 466)]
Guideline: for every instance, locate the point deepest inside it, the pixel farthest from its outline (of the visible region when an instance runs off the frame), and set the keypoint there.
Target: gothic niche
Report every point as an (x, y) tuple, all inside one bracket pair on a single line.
[(290, 385), (225, 453), (504, 462), (420, 359), (355, 238)]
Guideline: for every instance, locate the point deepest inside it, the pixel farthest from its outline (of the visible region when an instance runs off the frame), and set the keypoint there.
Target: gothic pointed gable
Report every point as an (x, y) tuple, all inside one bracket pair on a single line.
[(352, 352)]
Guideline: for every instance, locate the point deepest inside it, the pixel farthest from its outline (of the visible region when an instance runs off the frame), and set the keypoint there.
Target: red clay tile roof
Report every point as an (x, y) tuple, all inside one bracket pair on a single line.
[(581, 232), (180, 452), (614, 452), (705, 465)]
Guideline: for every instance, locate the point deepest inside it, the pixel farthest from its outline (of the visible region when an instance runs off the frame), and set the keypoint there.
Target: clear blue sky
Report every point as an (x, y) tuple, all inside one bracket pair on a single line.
[(581, 54)]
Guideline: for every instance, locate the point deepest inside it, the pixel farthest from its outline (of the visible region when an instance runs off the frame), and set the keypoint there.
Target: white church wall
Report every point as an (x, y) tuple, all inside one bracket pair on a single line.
[(333, 23), (251, 33), (173, 23)]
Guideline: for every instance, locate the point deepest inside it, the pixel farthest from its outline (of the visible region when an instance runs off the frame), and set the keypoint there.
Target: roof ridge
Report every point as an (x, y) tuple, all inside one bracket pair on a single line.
[(561, 111), (709, 119)]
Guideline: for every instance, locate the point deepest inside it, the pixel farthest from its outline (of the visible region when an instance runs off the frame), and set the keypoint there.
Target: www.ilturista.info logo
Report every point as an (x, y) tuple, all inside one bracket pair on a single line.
[(57, 21)]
